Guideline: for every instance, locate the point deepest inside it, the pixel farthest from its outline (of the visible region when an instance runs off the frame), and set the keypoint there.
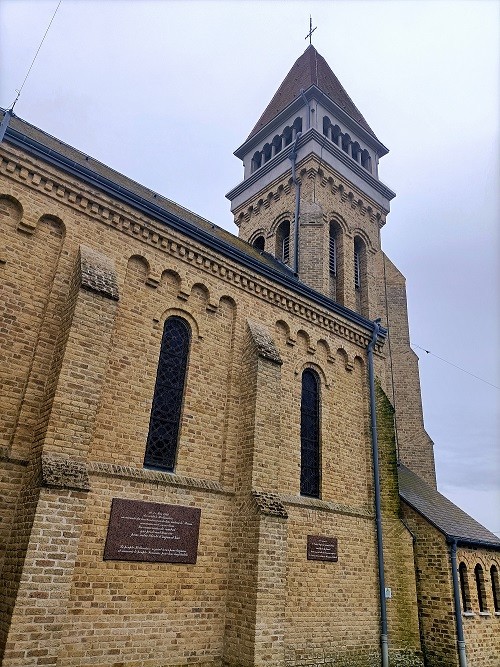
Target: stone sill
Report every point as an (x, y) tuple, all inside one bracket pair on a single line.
[(484, 613), (468, 614)]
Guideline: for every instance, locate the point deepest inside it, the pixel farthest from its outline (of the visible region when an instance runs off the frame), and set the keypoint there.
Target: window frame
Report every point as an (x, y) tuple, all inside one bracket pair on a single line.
[(166, 413)]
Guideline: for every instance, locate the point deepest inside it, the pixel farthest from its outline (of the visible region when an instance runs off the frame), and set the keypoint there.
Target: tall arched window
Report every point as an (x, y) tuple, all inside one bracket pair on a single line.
[(164, 425), (335, 262), (481, 592), (283, 242), (360, 276), (495, 587), (464, 587), (310, 435)]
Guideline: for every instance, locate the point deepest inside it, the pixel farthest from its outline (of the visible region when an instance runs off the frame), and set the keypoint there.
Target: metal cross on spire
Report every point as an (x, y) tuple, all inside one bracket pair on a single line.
[(311, 29)]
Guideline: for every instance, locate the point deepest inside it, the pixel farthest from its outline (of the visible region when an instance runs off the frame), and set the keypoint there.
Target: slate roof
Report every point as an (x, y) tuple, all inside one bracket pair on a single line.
[(449, 519), (310, 69)]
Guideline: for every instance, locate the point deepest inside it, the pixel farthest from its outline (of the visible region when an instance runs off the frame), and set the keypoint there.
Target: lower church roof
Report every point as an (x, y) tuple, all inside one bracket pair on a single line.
[(454, 523)]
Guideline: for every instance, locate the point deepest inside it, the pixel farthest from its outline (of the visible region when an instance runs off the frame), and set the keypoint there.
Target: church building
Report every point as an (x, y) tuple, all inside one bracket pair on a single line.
[(212, 448)]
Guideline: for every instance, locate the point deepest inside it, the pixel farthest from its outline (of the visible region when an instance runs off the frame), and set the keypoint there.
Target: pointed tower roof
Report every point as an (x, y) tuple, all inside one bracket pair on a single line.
[(311, 69)]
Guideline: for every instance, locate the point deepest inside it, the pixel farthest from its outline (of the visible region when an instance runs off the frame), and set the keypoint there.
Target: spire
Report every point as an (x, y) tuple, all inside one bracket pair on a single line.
[(311, 69)]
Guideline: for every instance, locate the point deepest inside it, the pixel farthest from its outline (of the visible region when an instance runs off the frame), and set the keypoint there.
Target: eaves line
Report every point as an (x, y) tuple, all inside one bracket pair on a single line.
[(120, 193)]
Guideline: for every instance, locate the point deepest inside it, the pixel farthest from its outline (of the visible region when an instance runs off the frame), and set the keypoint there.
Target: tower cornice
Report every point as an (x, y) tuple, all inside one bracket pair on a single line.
[(313, 92), (313, 136)]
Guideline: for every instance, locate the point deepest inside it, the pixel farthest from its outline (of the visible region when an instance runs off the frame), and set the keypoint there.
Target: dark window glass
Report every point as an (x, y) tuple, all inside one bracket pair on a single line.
[(481, 593), (464, 587), (309, 435), (494, 587), (333, 253), (164, 425), (259, 243)]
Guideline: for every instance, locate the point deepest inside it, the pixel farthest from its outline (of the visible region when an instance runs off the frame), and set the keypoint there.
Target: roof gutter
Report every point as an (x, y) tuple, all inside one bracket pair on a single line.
[(177, 223), (384, 641)]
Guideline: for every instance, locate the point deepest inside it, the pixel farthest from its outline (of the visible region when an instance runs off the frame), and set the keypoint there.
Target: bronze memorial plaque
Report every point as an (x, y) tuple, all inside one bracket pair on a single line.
[(152, 532), (322, 548)]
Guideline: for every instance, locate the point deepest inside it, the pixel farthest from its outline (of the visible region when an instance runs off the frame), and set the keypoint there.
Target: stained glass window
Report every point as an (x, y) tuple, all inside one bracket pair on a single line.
[(309, 435), (164, 425)]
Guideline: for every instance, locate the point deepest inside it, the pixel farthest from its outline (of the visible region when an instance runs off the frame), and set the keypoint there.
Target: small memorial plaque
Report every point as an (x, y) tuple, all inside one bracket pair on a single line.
[(152, 532), (322, 548)]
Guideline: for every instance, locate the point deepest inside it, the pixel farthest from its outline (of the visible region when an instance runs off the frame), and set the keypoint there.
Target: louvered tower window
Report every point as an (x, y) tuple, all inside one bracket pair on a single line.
[(333, 253), (283, 242), (357, 268), (164, 425), (310, 435), (286, 248)]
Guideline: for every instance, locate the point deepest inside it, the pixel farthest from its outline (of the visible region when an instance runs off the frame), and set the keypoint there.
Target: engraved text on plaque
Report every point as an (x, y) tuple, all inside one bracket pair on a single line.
[(152, 532)]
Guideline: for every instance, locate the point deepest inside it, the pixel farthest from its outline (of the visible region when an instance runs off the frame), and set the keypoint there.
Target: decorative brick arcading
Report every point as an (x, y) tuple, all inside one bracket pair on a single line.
[(269, 504), (64, 472), (263, 342), (98, 273)]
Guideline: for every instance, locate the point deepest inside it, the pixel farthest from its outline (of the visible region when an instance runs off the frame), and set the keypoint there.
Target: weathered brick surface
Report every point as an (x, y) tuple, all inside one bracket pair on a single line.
[(90, 283)]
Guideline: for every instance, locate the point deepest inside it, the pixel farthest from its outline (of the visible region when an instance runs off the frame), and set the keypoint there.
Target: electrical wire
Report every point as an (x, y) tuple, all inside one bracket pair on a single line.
[(36, 54), (455, 366)]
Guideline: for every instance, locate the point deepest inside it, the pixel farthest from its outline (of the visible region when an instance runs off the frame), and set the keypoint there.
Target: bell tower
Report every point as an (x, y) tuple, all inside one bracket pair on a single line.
[(311, 197), (310, 193)]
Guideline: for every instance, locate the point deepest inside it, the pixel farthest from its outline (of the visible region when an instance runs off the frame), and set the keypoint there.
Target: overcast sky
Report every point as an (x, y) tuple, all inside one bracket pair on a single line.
[(164, 92)]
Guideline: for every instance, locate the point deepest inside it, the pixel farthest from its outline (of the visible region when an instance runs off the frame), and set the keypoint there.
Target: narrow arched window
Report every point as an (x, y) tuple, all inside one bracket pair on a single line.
[(283, 242), (360, 276), (310, 435), (495, 587), (464, 587), (366, 160), (165, 422), (259, 243), (335, 262), (481, 592), (357, 264)]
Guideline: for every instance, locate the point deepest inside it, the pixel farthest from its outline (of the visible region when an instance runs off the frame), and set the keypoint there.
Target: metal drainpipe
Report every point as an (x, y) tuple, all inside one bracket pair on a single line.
[(462, 657), (5, 123), (293, 158), (384, 645)]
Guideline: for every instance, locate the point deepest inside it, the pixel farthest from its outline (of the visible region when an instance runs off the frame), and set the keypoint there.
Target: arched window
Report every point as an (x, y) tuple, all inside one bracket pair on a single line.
[(164, 425), (335, 254), (283, 242), (326, 126), (357, 264), (259, 243), (481, 592), (337, 135), (266, 151), (310, 435), (256, 161), (495, 587), (346, 140), (277, 143), (332, 251), (464, 587), (360, 276), (366, 161), (287, 135)]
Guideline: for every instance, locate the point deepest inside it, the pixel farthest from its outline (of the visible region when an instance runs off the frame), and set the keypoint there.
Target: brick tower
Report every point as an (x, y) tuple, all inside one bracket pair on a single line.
[(312, 198)]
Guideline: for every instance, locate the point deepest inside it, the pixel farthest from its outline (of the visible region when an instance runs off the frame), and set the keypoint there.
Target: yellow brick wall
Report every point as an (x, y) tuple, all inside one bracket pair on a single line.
[(84, 368)]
